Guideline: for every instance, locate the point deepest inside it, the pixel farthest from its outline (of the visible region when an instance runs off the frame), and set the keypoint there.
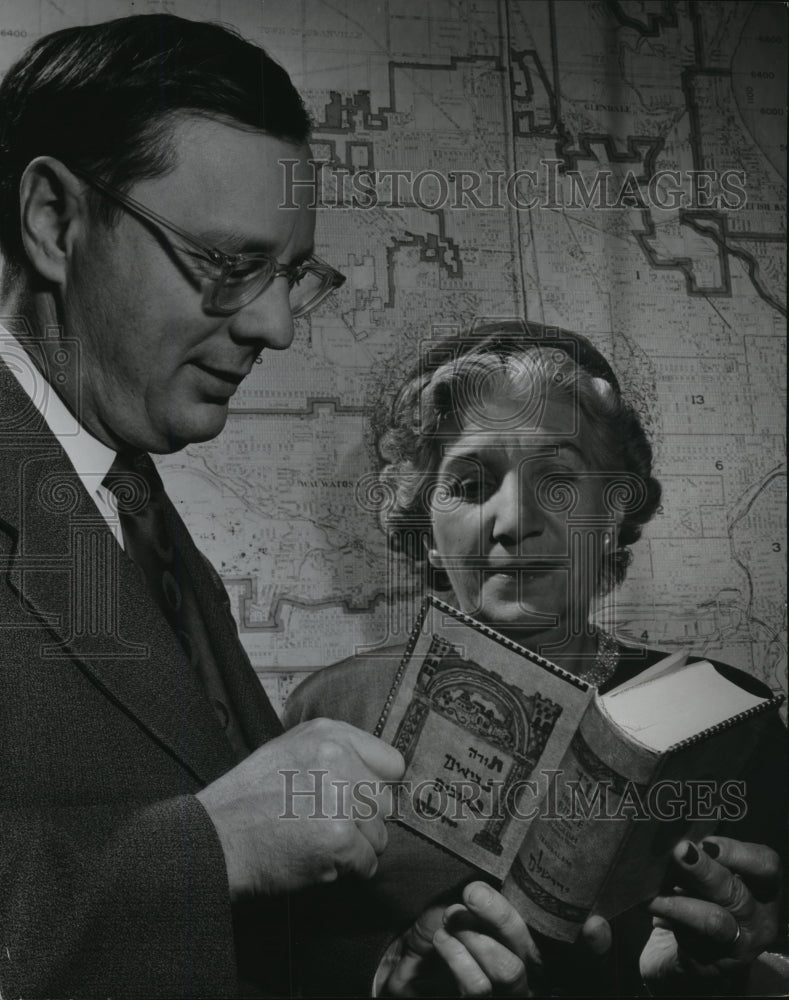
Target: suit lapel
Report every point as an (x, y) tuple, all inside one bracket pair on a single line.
[(72, 578), (259, 722)]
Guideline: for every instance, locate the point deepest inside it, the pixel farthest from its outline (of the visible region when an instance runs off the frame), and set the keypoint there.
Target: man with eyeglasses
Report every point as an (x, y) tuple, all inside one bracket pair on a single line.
[(147, 264)]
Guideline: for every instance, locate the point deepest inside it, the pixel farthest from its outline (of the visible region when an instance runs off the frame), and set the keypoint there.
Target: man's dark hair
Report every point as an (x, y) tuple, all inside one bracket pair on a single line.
[(102, 98)]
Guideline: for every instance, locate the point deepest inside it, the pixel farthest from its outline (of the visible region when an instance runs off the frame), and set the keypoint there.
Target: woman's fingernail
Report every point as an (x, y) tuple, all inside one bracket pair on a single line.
[(691, 855), (710, 849), (440, 936)]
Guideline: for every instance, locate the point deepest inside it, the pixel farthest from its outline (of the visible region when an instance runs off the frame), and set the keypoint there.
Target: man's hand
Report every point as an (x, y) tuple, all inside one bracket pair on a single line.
[(723, 914), (475, 948), (277, 840)]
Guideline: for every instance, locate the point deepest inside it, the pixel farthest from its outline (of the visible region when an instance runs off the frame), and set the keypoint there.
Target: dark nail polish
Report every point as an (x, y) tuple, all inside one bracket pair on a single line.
[(710, 849), (691, 855)]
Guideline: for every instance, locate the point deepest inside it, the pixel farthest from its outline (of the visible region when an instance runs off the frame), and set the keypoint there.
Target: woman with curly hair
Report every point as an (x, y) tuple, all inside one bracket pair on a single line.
[(516, 478), (497, 447)]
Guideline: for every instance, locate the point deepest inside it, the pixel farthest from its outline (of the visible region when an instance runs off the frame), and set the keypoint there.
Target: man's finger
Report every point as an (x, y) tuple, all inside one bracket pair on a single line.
[(360, 858), (381, 758), (366, 799), (374, 830), (331, 740)]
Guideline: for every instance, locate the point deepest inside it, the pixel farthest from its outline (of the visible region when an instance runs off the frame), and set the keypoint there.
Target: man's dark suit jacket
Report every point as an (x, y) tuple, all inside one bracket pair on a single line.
[(112, 879)]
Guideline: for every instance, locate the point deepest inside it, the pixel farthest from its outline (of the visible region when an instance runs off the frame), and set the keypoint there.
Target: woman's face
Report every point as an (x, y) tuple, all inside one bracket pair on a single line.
[(517, 557)]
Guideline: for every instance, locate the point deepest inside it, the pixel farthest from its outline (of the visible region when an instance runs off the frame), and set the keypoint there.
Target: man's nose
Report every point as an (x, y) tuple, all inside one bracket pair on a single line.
[(267, 318), (515, 510)]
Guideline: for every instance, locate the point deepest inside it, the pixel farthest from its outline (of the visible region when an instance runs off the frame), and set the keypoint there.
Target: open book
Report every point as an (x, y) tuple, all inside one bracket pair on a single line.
[(572, 799)]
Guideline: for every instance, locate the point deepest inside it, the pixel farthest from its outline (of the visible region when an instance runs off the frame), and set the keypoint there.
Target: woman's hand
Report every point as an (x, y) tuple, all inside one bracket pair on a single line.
[(723, 913), (475, 948)]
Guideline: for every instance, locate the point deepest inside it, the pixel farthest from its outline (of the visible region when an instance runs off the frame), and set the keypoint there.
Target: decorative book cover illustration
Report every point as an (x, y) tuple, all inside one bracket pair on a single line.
[(521, 769)]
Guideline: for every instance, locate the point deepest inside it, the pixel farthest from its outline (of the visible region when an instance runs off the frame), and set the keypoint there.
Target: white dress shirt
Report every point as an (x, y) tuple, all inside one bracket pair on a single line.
[(90, 457)]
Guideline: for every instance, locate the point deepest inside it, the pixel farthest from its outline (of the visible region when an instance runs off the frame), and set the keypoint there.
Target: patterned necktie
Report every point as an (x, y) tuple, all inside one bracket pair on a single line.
[(151, 541)]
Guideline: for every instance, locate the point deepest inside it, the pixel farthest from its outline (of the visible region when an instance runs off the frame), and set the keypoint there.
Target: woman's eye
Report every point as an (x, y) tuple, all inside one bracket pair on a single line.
[(472, 489), (560, 471)]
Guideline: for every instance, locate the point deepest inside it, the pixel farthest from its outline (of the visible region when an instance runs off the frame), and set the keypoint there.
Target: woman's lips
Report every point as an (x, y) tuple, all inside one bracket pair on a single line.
[(521, 573), (532, 566), (520, 578)]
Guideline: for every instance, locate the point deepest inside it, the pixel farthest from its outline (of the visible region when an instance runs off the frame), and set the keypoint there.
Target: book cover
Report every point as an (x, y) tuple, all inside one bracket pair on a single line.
[(572, 800)]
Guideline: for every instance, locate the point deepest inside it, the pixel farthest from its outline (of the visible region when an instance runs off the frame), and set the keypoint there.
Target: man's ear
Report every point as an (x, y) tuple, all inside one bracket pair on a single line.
[(52, 207)]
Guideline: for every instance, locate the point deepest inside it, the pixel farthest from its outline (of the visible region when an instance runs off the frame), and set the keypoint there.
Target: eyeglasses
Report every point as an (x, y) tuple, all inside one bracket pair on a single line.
[(238, 278)]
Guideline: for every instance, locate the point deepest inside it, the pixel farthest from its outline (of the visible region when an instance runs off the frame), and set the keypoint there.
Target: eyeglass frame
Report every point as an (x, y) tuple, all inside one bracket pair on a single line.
[(226, 262)]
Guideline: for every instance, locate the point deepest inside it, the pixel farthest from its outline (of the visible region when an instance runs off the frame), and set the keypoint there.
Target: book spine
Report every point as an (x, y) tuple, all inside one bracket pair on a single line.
[(583, 819), (502, 640), (771, 704), (412, 641)]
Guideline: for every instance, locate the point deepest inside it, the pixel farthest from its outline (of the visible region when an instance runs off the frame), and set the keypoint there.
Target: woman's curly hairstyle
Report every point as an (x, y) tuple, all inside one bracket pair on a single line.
[(528, 362)]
